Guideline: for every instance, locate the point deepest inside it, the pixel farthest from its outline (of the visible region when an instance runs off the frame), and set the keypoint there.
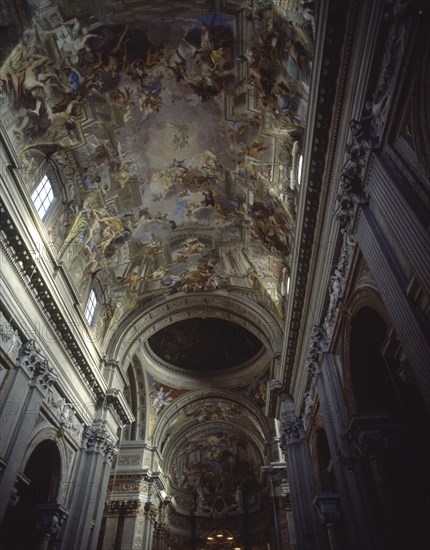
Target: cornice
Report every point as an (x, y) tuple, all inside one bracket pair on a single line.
[(235, 376), (31, 277), (328, 87), (130, 335), (20, 257)]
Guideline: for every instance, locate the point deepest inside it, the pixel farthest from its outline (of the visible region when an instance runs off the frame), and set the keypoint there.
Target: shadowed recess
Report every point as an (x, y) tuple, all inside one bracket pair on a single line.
[(207, 344)]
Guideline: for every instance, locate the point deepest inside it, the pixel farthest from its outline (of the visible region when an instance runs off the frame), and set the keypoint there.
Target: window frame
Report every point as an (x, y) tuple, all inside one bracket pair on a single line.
[(45, 189), (91, 307)]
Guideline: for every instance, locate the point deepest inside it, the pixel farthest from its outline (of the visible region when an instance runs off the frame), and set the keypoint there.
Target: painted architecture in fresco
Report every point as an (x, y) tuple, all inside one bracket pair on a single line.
[(214, 280), (170, 138)]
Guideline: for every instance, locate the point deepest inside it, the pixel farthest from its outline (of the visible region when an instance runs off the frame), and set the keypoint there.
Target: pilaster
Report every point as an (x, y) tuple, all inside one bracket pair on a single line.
[(297, 455), (382, 264), (96, 455), (360, 525), (135, 516), (24, 396), (327, 505)]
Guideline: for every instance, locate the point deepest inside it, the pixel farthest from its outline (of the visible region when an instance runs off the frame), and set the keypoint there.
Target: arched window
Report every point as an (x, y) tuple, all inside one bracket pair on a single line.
[(91, 307), (43, 197)]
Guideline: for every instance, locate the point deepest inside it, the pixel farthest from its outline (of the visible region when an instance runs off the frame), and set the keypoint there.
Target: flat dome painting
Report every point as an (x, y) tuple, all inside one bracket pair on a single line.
[(205, 344)]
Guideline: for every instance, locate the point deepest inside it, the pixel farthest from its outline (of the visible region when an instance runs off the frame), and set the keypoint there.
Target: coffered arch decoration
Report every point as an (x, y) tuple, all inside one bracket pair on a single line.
[(238, 314)]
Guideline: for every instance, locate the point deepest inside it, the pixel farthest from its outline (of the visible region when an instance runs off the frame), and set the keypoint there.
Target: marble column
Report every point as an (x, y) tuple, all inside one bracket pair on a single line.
[(19, 410), (359, 522), (299, 469), (391, 284)]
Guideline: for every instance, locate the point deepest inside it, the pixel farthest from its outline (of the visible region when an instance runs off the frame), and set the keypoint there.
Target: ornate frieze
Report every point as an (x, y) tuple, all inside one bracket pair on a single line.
[(317, 344), (126, 507), (338, 282), (366, 134), (319, 157), (309, 401), (129, 460), (351, 193), (23, 259), (36, 366), (65, 412), (150, 511), (10, 340)]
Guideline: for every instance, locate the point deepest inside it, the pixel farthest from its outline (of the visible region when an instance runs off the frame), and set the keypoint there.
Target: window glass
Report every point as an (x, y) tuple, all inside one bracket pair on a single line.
[(43, 196), (90, 309)]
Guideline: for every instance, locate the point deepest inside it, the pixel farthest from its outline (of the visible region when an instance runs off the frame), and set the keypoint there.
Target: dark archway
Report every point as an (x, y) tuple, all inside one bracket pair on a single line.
[(372, 380), (22, 527), (390, 428)]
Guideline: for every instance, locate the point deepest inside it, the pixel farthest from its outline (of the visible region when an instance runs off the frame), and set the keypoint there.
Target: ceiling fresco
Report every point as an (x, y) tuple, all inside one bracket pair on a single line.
[(169, 135), (172, 140)]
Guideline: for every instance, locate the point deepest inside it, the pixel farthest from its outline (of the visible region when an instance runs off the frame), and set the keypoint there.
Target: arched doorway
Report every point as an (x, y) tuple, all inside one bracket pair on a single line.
[(32, 524)]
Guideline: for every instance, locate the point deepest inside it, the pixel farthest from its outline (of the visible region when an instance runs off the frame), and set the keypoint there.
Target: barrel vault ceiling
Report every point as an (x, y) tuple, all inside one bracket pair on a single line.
[(169, 131)]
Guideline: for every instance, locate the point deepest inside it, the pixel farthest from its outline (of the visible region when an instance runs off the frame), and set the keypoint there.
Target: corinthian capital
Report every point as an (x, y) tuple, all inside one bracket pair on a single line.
[(97, 440)]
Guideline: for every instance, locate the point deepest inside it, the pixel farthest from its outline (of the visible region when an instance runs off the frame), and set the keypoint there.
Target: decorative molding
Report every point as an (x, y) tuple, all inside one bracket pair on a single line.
[(65, 413), (351, 192), (129, 460), (292, 431), (328, 508), (24, 263), (317, 344), (36, 366), (366, 135), (326, 113), (115, 398), (10, 340), (127, 507), (22, 260), (96, 439), (338, 283)]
